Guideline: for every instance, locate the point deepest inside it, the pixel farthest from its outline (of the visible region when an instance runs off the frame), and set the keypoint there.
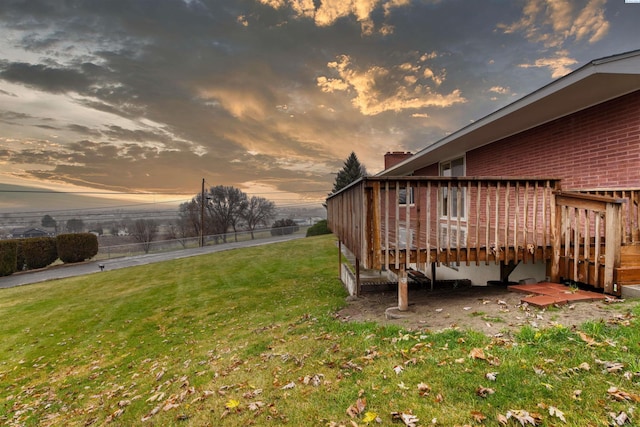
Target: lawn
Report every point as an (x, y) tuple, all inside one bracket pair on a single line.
[(250, 337)]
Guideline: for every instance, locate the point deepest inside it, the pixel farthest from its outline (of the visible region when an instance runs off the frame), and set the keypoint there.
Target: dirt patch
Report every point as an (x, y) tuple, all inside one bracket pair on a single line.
[(491, 310)]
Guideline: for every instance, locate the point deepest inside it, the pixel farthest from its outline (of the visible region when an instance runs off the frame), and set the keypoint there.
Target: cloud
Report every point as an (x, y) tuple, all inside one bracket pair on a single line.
[(44, 77), (556, 23), (553, 22), (327, 12), (559, 65), (499, 89), (378, 89)]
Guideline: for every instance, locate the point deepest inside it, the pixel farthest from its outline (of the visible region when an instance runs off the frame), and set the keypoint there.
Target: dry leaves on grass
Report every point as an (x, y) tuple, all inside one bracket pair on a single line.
[(408, 419)]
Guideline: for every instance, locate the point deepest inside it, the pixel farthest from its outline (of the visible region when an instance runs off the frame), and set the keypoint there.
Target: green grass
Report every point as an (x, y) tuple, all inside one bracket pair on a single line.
[(255, 329)]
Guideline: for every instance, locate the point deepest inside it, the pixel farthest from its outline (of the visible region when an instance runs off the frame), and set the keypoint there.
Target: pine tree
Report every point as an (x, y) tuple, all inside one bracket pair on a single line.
[(352, 171)]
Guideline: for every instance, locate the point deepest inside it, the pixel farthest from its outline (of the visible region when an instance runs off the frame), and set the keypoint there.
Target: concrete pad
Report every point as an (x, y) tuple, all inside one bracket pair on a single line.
[(544, 301), (631, 291)]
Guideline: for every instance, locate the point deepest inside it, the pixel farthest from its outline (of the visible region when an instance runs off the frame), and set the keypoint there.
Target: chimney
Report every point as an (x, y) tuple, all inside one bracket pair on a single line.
[(393, 158)]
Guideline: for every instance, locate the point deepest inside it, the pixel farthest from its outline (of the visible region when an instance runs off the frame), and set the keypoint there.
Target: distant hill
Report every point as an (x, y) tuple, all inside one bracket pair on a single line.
[(20, 198)]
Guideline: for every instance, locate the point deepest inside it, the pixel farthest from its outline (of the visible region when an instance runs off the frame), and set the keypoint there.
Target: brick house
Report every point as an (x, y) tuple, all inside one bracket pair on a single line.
[(529, 191)]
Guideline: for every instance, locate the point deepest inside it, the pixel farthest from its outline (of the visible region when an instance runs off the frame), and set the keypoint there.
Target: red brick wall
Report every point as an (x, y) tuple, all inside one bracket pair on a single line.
[(596, 147), (395, 157)]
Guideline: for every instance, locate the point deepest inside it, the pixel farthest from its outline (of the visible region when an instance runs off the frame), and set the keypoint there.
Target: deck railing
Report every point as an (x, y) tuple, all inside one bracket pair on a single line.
[(588, 240), (405, 222), (389, 222), (630, 211)]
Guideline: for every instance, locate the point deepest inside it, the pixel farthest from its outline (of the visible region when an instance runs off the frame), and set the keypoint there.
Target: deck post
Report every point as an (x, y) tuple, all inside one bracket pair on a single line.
[(403, 291), (339, 258), (612, 243), (556, 236), (358, 284)]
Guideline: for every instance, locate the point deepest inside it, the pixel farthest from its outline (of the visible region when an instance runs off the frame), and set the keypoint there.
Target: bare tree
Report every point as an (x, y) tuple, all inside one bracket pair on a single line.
[(144, 231), (259, 211), (75, 225), (189, 217), (179, 230), (226, 205)]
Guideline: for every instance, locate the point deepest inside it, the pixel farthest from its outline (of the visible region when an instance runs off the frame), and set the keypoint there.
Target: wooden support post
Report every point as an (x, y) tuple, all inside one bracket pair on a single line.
[(358, 284), (433, 274), (403, 289), (340, 258)]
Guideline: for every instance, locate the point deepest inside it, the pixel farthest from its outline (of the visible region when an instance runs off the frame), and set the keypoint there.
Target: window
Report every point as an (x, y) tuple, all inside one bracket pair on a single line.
[(402, 196), (452, 168)]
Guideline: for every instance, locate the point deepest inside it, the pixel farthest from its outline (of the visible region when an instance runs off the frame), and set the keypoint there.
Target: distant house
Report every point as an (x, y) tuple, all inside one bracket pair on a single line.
[(549, 184), (28, 232)]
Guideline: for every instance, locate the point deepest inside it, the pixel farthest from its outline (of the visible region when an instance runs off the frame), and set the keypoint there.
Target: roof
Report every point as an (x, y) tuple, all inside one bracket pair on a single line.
[(594, 83)]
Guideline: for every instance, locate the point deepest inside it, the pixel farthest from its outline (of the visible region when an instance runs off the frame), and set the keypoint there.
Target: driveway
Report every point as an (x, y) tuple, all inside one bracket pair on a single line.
[(91, 267)]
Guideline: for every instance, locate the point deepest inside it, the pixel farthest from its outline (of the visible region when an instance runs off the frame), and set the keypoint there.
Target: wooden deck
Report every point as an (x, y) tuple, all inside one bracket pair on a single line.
[(416, 222)]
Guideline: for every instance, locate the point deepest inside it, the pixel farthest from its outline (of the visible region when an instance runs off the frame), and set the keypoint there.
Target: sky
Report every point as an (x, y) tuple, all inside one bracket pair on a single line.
[(269, 96)]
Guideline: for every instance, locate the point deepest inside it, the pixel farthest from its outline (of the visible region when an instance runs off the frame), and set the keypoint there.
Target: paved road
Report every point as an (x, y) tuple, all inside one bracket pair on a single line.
[(91, 267)]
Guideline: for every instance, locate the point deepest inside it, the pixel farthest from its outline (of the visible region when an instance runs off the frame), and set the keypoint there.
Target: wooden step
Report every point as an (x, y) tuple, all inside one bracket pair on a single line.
[(627, 276), (630, 256)]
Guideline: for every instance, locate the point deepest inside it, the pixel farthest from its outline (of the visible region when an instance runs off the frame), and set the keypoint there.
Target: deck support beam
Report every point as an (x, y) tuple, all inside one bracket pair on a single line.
[(506, 269)]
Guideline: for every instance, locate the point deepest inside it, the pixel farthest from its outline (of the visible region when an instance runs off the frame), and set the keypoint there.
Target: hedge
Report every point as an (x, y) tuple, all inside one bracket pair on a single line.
[(76, 247), (36, 252), (318, 228), (8, 257)]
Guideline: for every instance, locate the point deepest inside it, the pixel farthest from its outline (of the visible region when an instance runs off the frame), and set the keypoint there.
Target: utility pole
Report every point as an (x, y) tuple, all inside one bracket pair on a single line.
[(202, 215)]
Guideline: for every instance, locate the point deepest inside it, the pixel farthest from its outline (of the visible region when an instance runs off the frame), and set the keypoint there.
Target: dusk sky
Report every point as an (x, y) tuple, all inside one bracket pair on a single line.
[(269, 96)]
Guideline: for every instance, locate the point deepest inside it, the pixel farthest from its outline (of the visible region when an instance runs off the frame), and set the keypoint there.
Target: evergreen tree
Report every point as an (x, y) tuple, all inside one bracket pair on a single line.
[(352, 171)]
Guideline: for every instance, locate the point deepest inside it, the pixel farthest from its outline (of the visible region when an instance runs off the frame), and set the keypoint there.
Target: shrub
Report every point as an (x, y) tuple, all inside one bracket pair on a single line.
[(37, 252), (284, 226), (76, 247), (8, 257), (318, 228)]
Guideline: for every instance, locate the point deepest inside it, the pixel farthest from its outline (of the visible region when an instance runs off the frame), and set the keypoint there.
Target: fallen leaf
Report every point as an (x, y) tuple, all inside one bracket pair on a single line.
[(254, 406), (398, 369), (409, 420), (357, 408), (621, 395), (502, 419), (586, 338), (491, 376), (369, 416), (288, 386), (484, 391), (522, 416), (477, 353), (231, 404), (423, 389), (151, 414), (620, 419), (555, 412), (478, 416)]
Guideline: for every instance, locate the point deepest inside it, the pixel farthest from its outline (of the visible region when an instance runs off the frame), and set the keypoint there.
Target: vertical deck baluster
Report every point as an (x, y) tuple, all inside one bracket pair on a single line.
[(567, 239), (397, 226), (408, 228), (498, 246), (428, 227), (576, 242), (487, 230), (437, 222), (596, 255), (535, 220), (516, 218), (458, 214), (386, 224), (477, 220), (448, 222), (587, 244), (507, 208), (525, 228)]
